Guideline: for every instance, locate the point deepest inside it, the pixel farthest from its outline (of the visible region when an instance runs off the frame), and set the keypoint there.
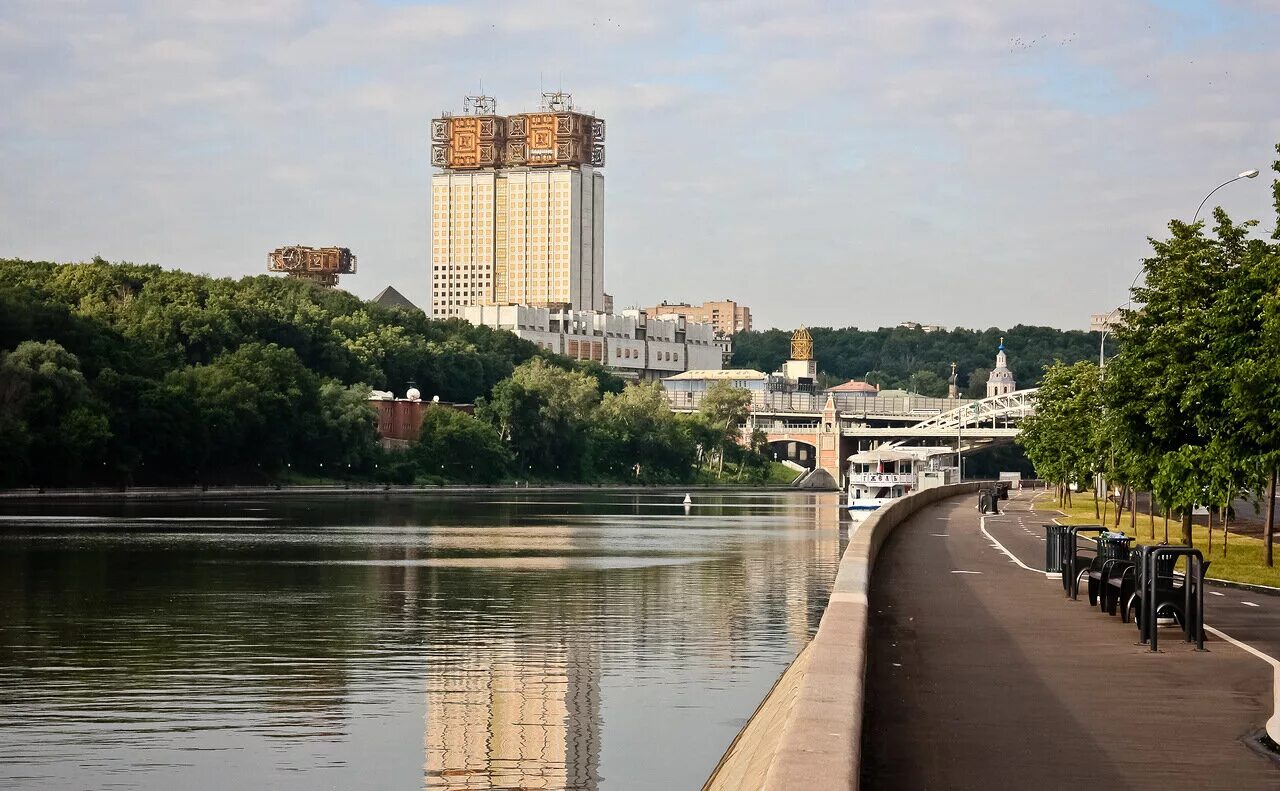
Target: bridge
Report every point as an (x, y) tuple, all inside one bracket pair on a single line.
[(826, 437)]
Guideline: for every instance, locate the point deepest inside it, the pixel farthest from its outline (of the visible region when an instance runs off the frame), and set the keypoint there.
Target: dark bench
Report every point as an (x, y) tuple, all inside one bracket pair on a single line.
[(1076, 560), (1159, 591), (1111, 559)]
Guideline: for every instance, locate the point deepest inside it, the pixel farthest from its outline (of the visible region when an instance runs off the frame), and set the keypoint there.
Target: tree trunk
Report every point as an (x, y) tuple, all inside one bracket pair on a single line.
[(1210, 530), (1151, 513), (1268, 527), (1097, 484), (1186, 526), (1120, 501), (1133, 510), (1166, 525), (1226, 525)]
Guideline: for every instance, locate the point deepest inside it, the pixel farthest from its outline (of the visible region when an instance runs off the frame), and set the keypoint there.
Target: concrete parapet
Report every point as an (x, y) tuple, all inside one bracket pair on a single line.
[(820, 741)]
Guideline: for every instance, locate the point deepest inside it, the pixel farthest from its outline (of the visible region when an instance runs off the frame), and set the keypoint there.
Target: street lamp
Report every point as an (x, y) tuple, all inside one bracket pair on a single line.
[(1248, 174)]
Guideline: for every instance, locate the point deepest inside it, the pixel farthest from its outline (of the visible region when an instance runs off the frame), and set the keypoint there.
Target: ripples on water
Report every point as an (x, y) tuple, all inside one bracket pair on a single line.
[(538, 640)]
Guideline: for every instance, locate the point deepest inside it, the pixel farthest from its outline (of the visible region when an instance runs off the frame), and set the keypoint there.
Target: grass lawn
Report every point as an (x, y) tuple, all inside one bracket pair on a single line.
[(1242, 561)]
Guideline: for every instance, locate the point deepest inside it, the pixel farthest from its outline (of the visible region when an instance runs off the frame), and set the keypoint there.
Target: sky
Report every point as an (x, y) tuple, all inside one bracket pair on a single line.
[(824, 163)]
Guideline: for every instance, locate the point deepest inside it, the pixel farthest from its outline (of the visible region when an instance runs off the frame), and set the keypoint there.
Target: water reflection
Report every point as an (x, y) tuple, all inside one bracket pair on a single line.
[(582, 641)]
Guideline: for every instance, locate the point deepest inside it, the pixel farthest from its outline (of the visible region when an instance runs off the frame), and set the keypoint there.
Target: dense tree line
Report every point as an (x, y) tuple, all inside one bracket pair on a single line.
[(912, 359), (1189, 408), (118, 374)]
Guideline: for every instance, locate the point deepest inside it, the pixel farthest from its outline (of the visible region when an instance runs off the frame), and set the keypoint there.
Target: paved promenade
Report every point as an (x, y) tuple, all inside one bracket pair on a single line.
[(981, 675)]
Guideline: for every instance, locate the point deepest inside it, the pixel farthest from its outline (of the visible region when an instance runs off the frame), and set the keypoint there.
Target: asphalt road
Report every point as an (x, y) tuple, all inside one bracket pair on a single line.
[(982, 675)]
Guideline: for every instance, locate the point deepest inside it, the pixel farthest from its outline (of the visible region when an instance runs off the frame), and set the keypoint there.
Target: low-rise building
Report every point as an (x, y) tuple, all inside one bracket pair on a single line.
[(400, 419), (634, 345)]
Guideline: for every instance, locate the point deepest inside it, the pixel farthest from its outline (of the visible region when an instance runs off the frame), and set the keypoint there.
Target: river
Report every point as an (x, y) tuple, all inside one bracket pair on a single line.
[(532, 639)]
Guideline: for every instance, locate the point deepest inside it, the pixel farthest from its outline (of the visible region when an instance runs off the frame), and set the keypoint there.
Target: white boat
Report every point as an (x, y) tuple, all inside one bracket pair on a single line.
[(877, 477)]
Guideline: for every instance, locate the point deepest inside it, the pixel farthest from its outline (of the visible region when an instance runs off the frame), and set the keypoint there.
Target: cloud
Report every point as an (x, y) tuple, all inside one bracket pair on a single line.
[(823, 162)]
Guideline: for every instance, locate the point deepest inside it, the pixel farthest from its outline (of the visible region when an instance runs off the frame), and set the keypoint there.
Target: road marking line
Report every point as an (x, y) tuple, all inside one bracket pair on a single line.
[(944, 535), (1273, 724), (1215, 593), (982, 525), (1248, 604), (957, 571)]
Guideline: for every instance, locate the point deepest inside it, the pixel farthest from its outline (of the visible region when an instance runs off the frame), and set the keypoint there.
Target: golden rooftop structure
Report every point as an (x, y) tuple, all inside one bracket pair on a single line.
[(556, 134), (801, 345)]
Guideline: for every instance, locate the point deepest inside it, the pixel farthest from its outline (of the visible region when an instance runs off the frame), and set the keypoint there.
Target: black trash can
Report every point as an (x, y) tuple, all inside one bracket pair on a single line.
[(1053, 547), (1114, 547)]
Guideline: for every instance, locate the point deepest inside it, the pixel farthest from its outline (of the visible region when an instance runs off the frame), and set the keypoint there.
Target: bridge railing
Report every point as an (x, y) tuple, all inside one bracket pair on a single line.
[(847, 404)]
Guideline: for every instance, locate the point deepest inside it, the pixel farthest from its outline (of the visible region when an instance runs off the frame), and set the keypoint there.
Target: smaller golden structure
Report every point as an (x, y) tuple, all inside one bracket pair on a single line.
[(320, 265), (802, 345)]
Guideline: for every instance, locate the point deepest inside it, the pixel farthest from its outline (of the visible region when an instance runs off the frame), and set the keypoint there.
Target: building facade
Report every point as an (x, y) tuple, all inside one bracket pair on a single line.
[(517, 213), (633, 345), (725, 315)]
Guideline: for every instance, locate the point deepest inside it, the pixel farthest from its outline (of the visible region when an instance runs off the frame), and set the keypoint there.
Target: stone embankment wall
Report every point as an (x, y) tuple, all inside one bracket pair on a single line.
[(808, 732)]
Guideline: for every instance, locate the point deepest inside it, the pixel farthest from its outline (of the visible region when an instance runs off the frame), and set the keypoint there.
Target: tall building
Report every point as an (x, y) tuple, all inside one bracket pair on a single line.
[(1001, 379), (725, 315), (517, 213)]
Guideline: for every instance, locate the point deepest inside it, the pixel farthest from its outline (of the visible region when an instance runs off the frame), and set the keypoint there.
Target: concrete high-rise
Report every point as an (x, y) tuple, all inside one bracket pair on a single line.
[(517, 213)]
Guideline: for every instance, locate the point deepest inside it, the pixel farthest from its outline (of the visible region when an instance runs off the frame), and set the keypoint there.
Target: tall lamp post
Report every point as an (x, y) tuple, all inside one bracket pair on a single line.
[(1248, 174)]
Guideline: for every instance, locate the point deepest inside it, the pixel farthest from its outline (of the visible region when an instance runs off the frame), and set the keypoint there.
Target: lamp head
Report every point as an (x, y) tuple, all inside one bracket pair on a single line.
[(1249, 174)]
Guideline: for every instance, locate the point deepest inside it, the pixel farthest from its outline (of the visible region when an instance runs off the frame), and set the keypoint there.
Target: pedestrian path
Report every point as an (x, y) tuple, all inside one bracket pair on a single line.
[(982, 675)]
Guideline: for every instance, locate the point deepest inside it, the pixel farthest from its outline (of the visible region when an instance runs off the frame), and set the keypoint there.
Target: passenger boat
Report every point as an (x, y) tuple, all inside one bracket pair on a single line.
[(877, 477)]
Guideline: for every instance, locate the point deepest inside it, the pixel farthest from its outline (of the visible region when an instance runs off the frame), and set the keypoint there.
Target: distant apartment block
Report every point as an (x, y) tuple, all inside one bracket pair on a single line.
[(633, 345), (915, 325), (725, 315)]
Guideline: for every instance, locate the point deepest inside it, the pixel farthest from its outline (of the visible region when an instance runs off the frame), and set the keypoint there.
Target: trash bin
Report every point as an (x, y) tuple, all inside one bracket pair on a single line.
[(1114, 546), (1053, 554)]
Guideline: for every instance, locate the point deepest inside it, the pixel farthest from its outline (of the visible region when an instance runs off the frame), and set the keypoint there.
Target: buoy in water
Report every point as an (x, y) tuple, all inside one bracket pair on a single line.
[(688, 500)]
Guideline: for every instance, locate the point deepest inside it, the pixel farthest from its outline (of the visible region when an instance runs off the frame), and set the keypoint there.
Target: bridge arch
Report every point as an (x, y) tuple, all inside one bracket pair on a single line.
[(800, 450)]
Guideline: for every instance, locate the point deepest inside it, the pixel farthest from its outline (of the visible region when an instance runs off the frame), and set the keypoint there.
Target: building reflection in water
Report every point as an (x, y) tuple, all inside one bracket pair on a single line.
[(515, 717)]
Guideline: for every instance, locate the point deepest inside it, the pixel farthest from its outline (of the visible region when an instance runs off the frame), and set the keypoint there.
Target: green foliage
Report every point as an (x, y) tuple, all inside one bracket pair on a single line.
[(893, 355), (457, 446), (1190, 406), (53, 425), (117, 373), (544, 413), (1063, 438), (635, 435)]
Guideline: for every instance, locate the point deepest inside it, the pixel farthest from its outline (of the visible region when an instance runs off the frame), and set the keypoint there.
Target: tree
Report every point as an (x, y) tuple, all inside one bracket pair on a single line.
[(636, 436), (928, 383), (1062, 438), (725, 407), (543, 411), (50, 411), (458, 446)]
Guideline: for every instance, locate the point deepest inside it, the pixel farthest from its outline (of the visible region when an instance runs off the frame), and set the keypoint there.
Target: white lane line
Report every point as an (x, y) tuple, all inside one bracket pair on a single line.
[(982, 524), (1248, 604), (1215, 593), (944, 535), (1273, 724), (957, 571)]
